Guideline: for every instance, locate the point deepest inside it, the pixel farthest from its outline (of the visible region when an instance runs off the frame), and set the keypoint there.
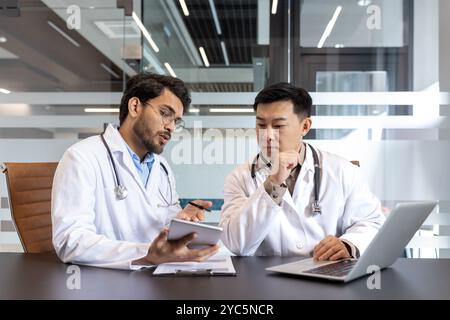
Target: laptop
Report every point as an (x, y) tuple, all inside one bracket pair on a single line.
[(388, 244)]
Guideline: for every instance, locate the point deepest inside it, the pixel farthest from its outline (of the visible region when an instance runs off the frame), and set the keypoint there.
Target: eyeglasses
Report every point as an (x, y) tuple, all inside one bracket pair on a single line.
[(167, 117)]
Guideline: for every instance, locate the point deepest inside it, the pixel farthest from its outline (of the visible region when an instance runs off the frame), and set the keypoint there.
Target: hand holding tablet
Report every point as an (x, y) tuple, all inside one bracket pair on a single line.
[(206, 235)]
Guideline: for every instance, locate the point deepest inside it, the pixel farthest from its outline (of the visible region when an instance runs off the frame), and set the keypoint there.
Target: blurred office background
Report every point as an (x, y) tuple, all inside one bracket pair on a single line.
[(378, 71)]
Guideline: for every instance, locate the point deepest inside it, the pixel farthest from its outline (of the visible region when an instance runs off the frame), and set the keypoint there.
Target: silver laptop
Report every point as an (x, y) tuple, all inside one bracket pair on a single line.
[(385, 248)]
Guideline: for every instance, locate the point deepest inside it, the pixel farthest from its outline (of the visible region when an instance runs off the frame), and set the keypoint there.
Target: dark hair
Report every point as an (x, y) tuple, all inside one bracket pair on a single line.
[(146, 86), (283, 92)]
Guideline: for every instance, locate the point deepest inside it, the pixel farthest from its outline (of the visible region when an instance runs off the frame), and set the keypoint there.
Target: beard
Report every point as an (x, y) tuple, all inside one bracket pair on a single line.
[(146, 136)]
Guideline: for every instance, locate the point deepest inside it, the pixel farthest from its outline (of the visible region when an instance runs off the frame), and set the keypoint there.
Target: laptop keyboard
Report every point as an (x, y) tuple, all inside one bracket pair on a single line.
[(338, 269)]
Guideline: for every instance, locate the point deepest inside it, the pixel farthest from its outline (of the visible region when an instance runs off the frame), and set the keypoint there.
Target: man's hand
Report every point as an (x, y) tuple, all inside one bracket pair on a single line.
[(283, 165), (162, 250), (192, 213), (331, 248)]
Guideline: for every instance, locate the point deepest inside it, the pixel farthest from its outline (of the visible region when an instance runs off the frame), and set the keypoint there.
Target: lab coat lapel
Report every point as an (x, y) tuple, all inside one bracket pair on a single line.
[(287, 199), (154, 180), (155, 177), (303, 184)]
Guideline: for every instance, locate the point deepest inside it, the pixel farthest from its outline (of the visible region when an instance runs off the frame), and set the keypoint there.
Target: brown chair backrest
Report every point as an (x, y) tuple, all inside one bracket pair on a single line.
[(29, 191)]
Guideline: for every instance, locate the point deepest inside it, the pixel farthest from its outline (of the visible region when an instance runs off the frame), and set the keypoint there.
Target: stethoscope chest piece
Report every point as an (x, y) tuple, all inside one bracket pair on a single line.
[(121, 192)]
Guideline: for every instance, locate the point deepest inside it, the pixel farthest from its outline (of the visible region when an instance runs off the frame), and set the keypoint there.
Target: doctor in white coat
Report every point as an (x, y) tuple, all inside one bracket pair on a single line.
[(293, 199), (113, 195)]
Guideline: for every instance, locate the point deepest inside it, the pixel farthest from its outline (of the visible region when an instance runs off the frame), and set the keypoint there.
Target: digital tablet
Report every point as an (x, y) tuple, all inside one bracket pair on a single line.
[(206, 235)]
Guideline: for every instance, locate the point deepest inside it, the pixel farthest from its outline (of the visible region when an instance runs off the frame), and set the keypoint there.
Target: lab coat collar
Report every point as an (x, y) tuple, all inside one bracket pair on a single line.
[(114, 139), (304, 177), (308, 164)]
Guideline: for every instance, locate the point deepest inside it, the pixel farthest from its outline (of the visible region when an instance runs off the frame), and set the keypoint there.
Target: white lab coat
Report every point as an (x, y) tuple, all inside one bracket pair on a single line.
[(255, 225), (92, 227)]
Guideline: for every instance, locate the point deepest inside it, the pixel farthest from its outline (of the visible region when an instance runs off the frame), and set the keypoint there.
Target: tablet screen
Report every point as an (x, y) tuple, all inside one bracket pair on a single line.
[(206, 235)]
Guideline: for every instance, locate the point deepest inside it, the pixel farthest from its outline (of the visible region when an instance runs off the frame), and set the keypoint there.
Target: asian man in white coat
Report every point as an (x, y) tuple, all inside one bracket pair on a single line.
[(113, 195), (292, 198)]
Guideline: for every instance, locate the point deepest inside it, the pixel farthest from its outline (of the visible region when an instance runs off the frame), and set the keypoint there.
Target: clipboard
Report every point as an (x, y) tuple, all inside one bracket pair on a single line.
[(215, 266)]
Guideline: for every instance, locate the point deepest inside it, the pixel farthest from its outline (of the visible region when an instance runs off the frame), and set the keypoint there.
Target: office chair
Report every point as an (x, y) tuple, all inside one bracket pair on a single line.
[(29, 191)]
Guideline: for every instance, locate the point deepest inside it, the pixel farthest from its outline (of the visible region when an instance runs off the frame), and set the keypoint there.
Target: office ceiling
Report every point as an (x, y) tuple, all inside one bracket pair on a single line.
[(237, 22), (37, 57), (179, 38)]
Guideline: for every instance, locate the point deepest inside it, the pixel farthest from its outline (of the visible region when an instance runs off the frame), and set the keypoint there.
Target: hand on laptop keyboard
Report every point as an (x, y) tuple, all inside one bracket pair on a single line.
[(331, 248)]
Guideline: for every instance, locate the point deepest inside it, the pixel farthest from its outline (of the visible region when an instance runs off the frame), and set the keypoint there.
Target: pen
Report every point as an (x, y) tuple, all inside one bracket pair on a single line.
[(198, 206), (194, 272)]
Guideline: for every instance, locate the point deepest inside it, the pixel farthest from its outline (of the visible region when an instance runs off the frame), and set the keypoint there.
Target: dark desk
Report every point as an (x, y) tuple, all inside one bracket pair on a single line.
[(43, 276)]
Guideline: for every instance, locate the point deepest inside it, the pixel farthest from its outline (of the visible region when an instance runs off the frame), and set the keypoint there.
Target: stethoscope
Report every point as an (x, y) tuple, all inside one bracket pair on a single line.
[(122, 192), (317, 172)]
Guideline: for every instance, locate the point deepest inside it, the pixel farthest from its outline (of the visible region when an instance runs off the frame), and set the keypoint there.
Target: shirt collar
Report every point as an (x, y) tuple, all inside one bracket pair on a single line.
[(262, 162), (114, 139), (148, 159)]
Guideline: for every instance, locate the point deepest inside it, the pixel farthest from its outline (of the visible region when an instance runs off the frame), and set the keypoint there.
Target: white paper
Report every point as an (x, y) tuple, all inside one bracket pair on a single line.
[(219, 265)]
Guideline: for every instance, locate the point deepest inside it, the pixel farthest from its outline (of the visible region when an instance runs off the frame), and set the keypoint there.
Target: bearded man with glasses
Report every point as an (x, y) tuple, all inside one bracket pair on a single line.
[(113, 195)]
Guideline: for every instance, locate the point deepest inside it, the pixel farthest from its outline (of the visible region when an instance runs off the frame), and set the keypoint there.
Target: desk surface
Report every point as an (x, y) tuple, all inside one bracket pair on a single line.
[(43, 276)]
